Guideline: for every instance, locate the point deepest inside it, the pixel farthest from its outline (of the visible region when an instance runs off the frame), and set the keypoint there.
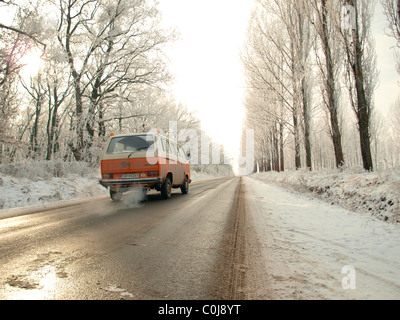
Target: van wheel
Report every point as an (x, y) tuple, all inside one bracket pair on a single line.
[(166, 188), (115, 195), (185, 186)]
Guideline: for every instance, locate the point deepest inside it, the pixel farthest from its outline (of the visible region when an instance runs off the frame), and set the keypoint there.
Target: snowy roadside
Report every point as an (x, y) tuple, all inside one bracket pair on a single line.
[(368, 193), (43, 183), (311, 249), (35, 184)]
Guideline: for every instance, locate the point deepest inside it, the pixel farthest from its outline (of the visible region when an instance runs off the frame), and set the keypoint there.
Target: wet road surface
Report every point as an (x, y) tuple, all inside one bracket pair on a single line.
[(187, 247)]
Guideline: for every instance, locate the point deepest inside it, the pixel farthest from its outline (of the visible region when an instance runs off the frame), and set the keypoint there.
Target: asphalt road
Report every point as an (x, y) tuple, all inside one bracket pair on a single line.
[(188, 247)]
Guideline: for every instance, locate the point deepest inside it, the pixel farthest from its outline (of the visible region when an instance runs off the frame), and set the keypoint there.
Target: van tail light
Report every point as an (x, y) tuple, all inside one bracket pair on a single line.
[(107, 176), (152, 174)]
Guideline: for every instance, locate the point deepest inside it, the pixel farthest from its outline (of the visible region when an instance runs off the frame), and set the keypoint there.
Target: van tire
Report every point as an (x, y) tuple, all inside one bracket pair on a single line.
[(116, 196), (185, 186), (166, 188)]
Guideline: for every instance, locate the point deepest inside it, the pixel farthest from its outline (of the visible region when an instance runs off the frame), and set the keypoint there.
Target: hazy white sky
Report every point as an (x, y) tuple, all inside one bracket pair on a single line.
[(389, 80), (206, 62)]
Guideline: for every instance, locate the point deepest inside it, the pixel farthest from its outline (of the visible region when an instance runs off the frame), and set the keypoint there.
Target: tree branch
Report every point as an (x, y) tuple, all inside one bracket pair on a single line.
[(23, 33)]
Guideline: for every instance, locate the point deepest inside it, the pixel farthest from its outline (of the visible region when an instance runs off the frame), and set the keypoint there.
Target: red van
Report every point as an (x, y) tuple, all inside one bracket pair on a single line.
[(149, 160)]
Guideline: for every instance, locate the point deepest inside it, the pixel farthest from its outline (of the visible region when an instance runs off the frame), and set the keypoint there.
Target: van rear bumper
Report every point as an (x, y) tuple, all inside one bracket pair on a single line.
[(126, 183)]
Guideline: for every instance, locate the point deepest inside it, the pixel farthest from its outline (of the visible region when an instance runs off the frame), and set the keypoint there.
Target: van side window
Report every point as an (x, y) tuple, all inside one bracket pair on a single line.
[(163, 144), (182, 154), (172, 148)]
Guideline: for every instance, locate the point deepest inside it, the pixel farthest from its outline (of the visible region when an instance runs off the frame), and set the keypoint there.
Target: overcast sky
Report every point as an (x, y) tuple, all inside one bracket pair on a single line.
[(206, 62)]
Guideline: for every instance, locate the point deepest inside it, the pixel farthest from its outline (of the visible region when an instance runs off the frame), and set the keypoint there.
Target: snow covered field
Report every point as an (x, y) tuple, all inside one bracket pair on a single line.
[(314, 250)]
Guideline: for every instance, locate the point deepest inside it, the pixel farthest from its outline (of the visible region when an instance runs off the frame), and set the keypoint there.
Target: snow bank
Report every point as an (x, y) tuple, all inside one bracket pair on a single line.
[(41, 182), (369, 193)]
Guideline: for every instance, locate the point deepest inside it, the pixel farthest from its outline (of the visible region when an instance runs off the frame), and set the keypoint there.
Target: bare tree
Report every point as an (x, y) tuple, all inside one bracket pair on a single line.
[(303, 47), (36, 90), (25, 29), (108, 45), (270, 97), (73, 16), (13, 47), (392, 12), (361, 69), (278, 67), (9, 56), (124, 60), (58, 89), (106, 71), (324, 16)]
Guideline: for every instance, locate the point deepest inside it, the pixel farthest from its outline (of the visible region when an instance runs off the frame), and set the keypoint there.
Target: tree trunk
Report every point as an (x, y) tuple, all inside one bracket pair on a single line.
[(102, 127), (77, 149), (296, 125), (304, 39), (365, 141), (336, 138), (33, 144), (52, 126), (307, 125), (331, 90), (362, 107), (296, 140), (281, 147)]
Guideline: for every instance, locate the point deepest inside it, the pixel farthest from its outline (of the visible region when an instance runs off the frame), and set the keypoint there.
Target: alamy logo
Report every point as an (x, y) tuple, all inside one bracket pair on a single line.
[(348, 17), (349, 281)]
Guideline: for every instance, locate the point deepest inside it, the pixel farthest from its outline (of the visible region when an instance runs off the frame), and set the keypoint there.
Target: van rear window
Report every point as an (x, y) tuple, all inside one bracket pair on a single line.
[(130, 144)]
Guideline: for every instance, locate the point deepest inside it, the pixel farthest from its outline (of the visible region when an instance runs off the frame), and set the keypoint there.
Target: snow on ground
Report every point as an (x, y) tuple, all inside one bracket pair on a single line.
[(34, 183), (314, 250), (368, 193)]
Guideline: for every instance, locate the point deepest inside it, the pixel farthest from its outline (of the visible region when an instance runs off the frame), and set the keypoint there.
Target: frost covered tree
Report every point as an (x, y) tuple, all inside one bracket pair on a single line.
[(16, 40), (324, 16), (269, 102), (110, 47), (278, 69), (361, 67), (392, 12), (10, 53), (27, 23), (103, 71), (291, 43), (36, 91)]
